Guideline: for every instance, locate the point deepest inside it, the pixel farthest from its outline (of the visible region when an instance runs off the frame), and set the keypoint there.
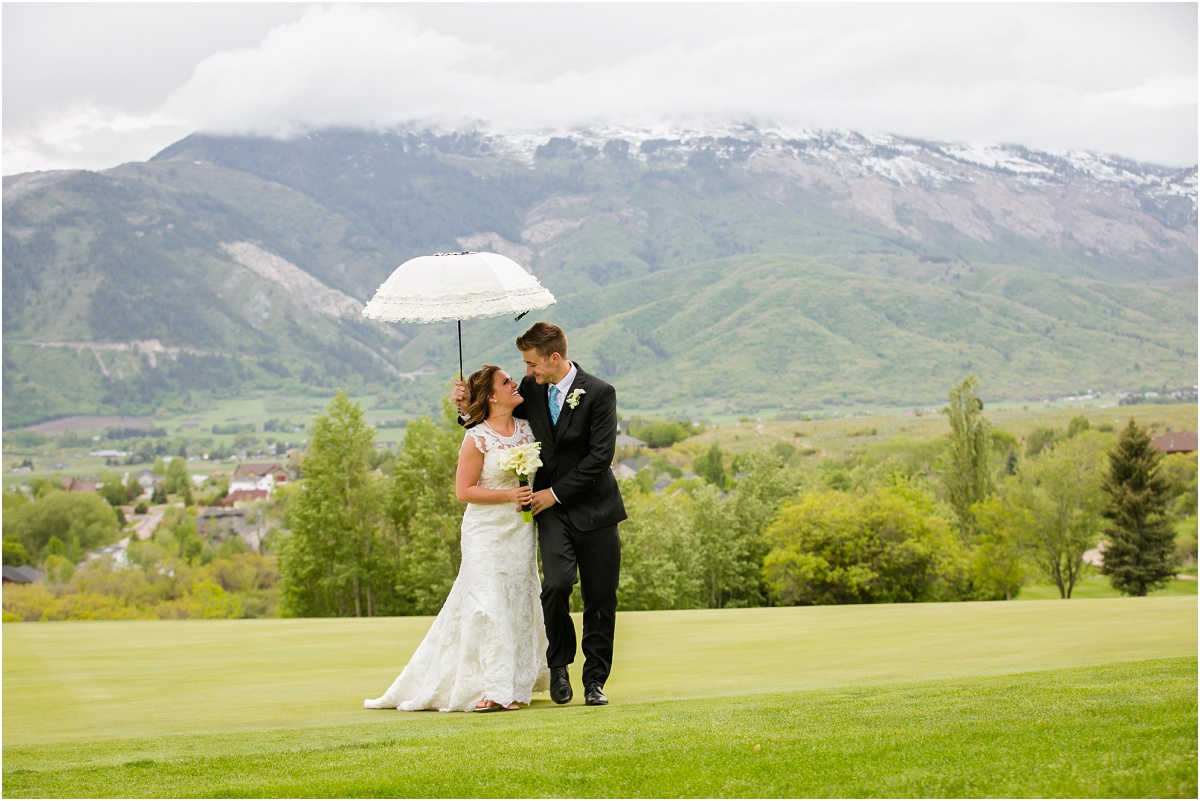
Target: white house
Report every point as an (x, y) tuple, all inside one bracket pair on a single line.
[(250, 483)]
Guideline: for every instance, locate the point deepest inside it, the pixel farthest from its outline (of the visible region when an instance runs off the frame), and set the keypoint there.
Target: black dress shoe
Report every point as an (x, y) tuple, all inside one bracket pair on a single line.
[(560, 686), (593, 696)]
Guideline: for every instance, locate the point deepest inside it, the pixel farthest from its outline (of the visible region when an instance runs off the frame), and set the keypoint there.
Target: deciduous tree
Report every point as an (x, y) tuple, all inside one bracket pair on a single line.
[(1061, 498), (426, 516), (329, 565), (1078, 425), (112, 490), (660, 557), (15, 554), (177, 479), (1179, 470), (80, 520), (710, 466), (729, 531), (1040, 439), (872, 547), (661, 433), (998, 562), (965, 464)]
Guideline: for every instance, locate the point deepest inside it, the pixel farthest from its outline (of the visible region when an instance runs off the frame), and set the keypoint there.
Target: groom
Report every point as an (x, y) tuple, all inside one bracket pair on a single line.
[(576, 502)]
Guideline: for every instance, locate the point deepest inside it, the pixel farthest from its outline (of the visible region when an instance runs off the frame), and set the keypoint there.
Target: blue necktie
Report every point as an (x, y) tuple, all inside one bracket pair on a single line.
[(555, 406)]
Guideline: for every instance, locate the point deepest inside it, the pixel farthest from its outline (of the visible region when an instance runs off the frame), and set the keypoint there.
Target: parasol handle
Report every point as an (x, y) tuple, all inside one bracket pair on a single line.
[(460, 366)]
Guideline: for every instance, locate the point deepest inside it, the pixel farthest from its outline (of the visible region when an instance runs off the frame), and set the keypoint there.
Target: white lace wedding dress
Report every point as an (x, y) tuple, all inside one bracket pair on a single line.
[(489, 641)]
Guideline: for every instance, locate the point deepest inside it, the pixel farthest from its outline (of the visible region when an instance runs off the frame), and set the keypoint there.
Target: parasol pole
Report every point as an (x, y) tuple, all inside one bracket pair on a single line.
[(460, 370)]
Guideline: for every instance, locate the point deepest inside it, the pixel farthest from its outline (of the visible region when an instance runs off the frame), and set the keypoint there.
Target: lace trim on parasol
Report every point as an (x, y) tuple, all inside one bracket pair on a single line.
[(432, 309)]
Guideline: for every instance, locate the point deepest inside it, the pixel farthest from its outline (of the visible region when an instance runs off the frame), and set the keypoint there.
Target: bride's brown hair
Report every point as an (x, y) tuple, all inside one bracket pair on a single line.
[(479, 388)]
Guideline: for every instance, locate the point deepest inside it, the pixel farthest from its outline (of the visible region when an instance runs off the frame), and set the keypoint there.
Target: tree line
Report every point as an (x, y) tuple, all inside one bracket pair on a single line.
[(970, 518), (178, 573), (975, 515)]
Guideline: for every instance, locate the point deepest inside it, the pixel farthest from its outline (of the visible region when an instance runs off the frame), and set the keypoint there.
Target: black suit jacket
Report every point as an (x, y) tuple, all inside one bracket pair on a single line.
[(577, 452)]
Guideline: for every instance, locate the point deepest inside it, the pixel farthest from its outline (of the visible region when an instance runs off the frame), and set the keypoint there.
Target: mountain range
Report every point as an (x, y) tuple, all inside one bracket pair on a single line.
[(729, 271)]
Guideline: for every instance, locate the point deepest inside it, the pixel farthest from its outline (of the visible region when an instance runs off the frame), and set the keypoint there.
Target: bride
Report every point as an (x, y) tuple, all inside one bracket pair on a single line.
[(486, 651)]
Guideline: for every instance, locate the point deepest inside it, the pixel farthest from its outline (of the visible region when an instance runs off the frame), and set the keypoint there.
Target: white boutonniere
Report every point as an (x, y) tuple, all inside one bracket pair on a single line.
[(573, 398)]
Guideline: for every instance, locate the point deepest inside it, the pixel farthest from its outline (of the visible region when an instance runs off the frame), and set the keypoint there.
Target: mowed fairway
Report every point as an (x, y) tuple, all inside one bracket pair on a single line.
[(1041, 698)]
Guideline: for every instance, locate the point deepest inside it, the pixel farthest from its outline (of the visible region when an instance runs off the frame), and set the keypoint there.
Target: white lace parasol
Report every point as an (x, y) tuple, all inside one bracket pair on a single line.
[(456, 286)]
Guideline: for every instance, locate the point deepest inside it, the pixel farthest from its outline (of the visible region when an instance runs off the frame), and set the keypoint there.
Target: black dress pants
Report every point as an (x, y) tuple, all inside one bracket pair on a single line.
[(595, 557)]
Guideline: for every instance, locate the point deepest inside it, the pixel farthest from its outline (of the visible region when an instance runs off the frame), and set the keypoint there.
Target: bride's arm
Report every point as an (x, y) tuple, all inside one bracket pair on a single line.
[(466, 480)]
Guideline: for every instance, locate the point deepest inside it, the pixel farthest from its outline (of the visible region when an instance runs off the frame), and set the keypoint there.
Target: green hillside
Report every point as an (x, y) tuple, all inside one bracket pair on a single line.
[(710, 285), (778, 332), (125, 263)]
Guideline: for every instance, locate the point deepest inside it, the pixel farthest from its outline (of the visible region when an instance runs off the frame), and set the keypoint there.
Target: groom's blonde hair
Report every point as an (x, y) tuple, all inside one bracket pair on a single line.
[(545, 338)]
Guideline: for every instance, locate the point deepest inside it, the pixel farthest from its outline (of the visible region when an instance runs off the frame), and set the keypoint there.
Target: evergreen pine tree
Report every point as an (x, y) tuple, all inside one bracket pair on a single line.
[(1140, 555)]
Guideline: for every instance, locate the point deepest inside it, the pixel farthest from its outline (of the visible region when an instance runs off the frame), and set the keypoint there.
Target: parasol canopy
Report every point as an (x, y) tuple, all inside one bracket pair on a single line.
[(456, 286)]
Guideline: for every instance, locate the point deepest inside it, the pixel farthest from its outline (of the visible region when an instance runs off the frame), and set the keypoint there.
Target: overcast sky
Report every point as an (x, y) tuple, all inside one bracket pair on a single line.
[(93, 85)]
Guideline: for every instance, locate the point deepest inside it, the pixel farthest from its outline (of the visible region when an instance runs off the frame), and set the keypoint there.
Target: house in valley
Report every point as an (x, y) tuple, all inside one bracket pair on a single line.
[(21, 575), (72, 484), (1176, 442), (244, 496), (256, 470)]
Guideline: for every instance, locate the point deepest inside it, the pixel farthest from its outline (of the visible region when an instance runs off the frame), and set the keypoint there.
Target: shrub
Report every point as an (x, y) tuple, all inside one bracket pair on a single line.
[(80, 520), (15, 554), (89, 606), (661, 434), (27, 601), (874, 547), (205, 601)]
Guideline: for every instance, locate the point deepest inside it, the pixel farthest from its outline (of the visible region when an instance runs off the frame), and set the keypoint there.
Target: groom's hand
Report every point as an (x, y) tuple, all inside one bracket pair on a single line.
[(543, 500)]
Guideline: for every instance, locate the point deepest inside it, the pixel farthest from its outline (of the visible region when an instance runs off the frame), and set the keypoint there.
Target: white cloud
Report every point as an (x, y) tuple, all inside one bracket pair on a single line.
[(1117, 78), (339, 65), (85, 135)]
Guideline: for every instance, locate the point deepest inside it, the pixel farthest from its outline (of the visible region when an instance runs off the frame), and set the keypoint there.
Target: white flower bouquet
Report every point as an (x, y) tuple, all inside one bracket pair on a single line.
[(523, 460)]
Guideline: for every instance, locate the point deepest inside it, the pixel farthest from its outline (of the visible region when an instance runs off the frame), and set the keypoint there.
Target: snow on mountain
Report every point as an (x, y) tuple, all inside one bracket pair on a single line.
[(899, 160), (1105, 205)]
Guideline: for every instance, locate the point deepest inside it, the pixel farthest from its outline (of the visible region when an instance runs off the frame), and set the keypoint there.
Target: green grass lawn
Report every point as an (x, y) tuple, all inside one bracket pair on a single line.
[(1044, 698), (1097, 587)]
